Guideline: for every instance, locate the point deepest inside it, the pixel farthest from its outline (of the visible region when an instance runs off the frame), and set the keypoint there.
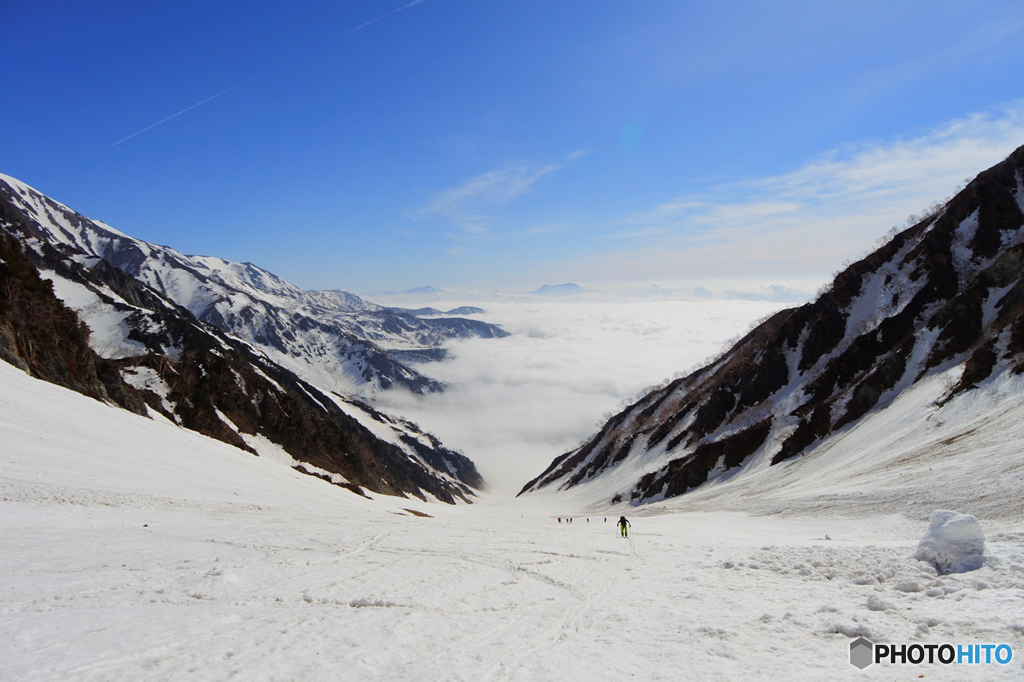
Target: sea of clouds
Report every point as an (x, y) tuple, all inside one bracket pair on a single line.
[(514, 404)]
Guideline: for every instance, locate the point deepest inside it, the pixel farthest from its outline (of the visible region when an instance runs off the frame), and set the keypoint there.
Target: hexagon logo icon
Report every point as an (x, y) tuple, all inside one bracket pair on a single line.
[(861, 653)]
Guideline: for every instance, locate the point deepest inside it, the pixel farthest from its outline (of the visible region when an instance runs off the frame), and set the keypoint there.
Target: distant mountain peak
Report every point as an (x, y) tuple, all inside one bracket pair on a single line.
[(566, 289)]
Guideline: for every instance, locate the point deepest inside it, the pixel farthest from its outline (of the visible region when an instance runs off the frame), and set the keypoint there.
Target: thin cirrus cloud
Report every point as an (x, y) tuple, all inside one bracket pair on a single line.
[(384, 16), (812, 218), (469, 206)]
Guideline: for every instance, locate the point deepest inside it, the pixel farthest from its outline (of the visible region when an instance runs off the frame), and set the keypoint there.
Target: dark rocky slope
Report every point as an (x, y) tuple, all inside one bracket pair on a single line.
[(44, 338), (944, 292)]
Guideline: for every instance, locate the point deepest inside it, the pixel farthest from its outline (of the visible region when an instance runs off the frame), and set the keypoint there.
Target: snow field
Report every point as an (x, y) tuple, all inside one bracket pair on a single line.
[(212, 592), (135, 550)]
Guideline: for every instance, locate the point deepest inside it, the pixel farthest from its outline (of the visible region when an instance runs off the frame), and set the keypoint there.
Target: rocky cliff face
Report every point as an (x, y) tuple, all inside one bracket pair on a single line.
[(945, 293), (117, 330), (44, 338)]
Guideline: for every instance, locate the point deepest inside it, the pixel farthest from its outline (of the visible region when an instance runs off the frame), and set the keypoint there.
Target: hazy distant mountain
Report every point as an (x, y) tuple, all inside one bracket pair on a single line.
[(211, 345), (944, 294), (427, 292), (567, 289), (428, 312)]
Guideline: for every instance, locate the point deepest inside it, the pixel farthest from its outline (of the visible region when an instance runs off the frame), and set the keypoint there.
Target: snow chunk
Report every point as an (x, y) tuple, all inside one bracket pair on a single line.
[(954, 543)]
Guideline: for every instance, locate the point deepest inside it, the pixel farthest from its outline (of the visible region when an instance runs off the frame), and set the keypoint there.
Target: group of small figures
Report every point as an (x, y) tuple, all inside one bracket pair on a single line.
[(624, 524)]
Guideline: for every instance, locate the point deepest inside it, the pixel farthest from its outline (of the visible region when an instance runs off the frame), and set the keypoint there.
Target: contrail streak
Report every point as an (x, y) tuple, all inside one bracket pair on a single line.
[(208, 99), (383, 16)]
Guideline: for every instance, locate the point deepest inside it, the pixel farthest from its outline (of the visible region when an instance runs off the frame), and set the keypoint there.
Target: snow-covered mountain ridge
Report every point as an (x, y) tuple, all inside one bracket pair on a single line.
[(944, 297), (334, 338), (71, 316)]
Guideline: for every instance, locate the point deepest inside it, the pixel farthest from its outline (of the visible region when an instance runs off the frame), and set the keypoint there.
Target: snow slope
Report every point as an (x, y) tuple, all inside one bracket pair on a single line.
[(136, 550)]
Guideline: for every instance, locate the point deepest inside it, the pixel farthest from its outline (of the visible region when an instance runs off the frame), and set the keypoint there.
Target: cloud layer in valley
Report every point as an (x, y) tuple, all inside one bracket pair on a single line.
[(513, 404)]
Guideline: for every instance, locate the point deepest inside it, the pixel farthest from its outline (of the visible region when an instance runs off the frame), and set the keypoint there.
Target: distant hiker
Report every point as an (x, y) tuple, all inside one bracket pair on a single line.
[(559, 519), (624, 524)]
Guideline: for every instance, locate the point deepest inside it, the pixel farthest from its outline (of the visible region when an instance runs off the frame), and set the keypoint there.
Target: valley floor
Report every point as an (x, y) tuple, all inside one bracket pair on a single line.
[(133, 550)]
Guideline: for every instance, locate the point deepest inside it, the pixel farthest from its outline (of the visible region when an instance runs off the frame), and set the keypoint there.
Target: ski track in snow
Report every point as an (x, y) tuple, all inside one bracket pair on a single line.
[(136, 550)]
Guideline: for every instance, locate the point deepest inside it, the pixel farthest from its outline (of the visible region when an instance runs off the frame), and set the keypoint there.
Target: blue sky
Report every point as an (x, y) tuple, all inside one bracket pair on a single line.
[(382, 144)]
